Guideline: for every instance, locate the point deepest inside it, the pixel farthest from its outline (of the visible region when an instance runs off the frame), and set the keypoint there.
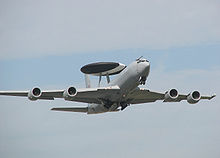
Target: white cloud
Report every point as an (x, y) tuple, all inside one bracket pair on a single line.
[(35, 28)]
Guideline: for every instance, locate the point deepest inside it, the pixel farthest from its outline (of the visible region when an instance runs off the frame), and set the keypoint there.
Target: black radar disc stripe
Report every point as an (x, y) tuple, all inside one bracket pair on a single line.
[(99, 67)]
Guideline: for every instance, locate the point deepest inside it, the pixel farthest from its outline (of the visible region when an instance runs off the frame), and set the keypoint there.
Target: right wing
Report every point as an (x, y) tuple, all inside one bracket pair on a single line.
[(85, 95), (47, 95)]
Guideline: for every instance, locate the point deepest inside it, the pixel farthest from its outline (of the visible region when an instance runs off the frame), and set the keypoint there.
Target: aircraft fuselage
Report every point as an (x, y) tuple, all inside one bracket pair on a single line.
[(131, 77), (116, 95)]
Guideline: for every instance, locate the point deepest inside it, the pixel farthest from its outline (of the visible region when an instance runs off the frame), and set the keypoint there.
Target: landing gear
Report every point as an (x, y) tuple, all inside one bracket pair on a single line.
[(143, 80), (108, 104), (123, 105)]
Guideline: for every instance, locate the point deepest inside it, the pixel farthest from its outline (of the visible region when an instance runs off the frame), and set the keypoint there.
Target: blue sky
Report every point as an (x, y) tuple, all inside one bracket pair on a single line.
[(65, 69), (45, 44)]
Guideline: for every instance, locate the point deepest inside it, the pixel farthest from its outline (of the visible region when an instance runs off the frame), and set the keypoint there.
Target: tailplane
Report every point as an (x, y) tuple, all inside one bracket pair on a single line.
[(78, 109)]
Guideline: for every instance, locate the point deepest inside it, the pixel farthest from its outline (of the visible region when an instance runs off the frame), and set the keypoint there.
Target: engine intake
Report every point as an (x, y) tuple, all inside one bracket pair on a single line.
[(193, 97), (34, 94), (171, 95), (69, 93)]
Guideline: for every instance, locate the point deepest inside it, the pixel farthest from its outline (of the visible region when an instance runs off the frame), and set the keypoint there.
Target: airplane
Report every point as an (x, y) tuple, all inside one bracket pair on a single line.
[(117, 95)]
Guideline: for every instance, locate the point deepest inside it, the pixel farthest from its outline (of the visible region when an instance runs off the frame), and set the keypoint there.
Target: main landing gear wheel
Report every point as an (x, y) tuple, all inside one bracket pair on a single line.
[(123, 106)]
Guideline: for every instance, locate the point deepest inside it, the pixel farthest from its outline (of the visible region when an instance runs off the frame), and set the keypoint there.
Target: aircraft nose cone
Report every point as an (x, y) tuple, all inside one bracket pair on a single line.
[(147, 66), (148, 63), (144, 68)]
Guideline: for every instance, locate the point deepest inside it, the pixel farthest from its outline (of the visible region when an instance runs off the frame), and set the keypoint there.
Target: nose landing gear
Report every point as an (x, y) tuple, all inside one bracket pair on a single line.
[(143, 80)]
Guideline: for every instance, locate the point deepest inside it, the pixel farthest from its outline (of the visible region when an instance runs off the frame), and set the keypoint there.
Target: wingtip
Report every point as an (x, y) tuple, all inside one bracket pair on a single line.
[(213, 96)]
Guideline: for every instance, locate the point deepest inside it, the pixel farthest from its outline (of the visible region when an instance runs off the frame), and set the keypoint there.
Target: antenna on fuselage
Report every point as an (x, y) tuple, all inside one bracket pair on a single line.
[(139, 58)]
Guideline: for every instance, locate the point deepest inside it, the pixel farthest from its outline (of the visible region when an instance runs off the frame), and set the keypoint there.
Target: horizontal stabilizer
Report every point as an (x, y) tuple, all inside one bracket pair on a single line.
[(78, 109)]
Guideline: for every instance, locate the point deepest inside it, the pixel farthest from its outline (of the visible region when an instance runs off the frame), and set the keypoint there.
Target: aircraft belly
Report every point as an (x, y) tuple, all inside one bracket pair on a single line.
[(100, 108), (129, 85)]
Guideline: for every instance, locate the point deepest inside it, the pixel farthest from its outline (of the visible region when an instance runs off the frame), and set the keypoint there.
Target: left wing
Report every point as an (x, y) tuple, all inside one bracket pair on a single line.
[(139, 96)]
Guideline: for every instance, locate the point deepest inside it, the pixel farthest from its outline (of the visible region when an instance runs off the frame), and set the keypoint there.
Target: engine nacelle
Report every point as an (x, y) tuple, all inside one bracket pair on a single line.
[(171, 95), (34, 94), (69, 93), (193, 97)]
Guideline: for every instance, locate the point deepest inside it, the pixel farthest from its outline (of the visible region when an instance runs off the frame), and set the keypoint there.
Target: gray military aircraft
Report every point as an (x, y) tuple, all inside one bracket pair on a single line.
[(116, 95)]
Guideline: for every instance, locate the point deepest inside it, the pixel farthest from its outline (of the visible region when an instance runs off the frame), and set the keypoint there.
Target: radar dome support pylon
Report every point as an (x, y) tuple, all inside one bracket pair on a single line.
[(102, 69)]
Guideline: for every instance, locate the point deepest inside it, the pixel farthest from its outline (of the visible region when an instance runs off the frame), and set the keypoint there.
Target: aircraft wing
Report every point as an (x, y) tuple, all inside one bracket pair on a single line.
[(139, 96), (47, 95), (85, 95), (100, 94)]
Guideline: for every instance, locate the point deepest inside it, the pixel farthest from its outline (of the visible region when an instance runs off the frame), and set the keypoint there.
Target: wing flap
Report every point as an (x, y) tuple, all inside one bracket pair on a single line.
[(52, 93), (93, 95), (139, 96)]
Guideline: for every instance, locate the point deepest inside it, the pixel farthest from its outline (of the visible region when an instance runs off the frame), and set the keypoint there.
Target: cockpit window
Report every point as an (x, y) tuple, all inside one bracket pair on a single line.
[(142, 60)]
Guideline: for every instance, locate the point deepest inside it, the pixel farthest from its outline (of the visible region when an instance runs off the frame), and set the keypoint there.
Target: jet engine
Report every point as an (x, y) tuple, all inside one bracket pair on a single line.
[(69, 93), (193, 97), (34, 94), (171, 95)]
